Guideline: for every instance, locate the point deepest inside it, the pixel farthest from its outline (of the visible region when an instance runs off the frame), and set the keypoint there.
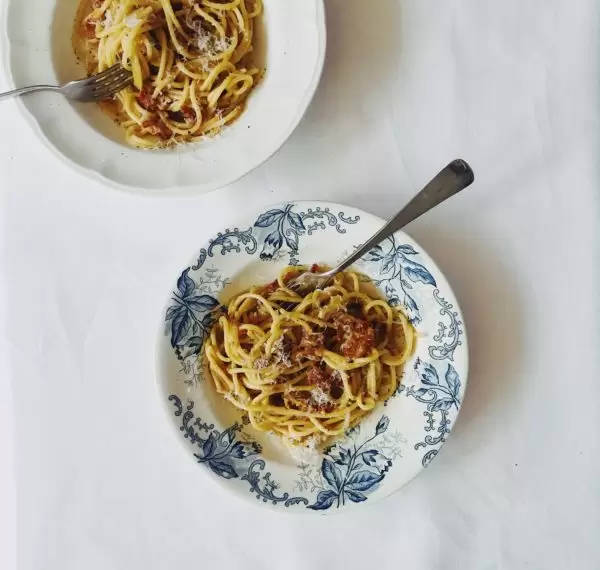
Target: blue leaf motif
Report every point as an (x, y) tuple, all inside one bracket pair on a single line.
[(202, 303), (363, 480), (223, 469), (180, 326), (296, 221), (207, 320), (185, 284), (376, 254), (269, 218), (382, 425), (194, 342), (452, 380), (291, 239), (332, 474), (410, 303), (429, 375), (370, 457), (324, 500), (221, 453), (416, 272), (441, 405), (344, 458), (209, 446), (389, 265), (227, 436), (422, 391), (171, 312), (406, 249), (355, 496)]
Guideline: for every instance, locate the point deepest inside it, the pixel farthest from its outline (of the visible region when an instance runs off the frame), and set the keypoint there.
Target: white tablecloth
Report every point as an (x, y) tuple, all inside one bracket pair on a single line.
[(90, 475)]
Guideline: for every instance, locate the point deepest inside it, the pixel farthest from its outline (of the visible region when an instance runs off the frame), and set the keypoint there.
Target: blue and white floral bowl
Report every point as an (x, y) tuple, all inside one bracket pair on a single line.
[(389, 447)]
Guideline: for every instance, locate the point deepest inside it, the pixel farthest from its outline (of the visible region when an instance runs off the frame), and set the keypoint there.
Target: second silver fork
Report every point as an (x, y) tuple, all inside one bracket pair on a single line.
[(95, 88)]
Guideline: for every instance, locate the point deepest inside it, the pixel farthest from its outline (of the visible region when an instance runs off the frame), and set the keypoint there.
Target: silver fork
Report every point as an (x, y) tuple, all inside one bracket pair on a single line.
[(95, 88), (451, 180)]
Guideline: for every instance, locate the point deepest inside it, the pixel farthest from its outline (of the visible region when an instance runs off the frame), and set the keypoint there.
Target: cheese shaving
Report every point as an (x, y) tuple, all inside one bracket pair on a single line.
[(319, 396), (131, 21)]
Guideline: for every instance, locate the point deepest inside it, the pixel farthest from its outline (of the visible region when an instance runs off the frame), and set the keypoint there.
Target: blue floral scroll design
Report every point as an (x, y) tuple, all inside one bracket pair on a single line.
[(190, 317), (448, 335), (229, 241), (283, 227), (267, 493), (323, 217), (398, 273), (440, 394), (227, 456), (275, 231), (221, 452), (191, 314), (349, 471), (347, 220)]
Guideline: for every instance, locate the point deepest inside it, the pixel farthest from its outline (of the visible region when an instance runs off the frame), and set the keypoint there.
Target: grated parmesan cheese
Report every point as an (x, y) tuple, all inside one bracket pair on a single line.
[(131, 21), (202, 40), (337, 375), (281, 354), (261, 363), (222, 44), (319, 396), (208, 44)]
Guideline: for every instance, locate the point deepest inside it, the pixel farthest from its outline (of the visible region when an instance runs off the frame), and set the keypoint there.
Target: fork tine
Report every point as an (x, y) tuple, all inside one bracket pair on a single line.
[(111, 71), (106, 75), (106, 91), (295, 285), (121, 85), (118, 76), (112, 81), (113, 78)]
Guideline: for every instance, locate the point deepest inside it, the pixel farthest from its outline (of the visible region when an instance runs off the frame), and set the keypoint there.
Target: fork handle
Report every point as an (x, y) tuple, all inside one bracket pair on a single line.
[(25, 90), (451, 180)]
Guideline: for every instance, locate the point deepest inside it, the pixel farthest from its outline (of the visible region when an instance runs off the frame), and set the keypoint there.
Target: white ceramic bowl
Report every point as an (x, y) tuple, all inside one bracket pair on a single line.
[(36, 43)]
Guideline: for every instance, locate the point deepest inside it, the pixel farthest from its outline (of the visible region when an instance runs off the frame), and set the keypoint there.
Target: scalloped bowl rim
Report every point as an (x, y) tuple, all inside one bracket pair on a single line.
[(175, 189)]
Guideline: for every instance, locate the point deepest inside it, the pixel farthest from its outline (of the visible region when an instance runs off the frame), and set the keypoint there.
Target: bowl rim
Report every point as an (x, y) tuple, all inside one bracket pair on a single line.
[(181, 190), (159, 383)]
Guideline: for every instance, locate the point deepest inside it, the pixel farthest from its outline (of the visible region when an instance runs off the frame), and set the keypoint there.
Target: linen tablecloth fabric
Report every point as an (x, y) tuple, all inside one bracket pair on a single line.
[(91, 476)]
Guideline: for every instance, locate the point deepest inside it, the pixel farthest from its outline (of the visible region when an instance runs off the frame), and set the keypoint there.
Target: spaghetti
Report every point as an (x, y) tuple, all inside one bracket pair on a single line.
[(190, 61), (307, 368)]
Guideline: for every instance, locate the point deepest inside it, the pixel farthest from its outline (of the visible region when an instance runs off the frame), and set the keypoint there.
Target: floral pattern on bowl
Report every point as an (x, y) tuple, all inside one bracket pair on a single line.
[(391, 445)]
